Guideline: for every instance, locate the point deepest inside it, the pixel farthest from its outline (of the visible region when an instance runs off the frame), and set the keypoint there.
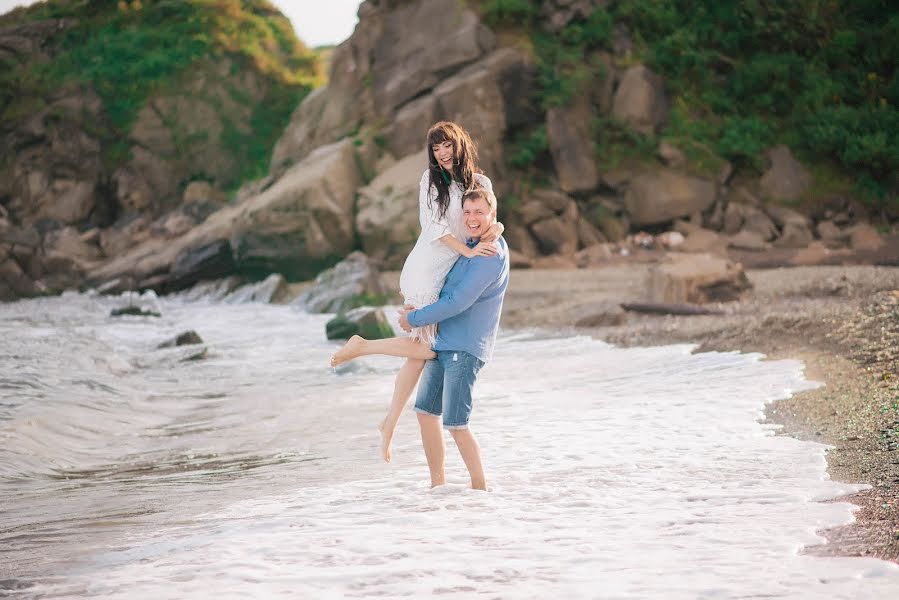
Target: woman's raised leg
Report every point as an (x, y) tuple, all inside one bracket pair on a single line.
[(406, 380), (403, 347)]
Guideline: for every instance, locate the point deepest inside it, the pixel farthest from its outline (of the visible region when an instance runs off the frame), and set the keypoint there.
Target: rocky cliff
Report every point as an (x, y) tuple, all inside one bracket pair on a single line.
[(586, 143), (109, 112)]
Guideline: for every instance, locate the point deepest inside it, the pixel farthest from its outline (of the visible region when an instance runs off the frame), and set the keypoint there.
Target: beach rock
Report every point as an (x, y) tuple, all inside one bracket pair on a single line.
[(366, 321), (587, 234), (704, 241), (69, 242), (671, 155), (209, 261), (558, 234), (299, 225), (571, 145), (14, 283), (488, 97), (640, 99), (387, 212), (408, 128), (831, 235), (795, 234), (659, 196), (186, 338), (414, 51), (303, 222), (786, 178), (517, 260), (520, 240), (211, 291), (738, 216), (747, 240), (816, 253), (782, 215), (697, 279), (351, 282), (600, 315), (595, 255), (865, 237), (133, 311), (271, 290)]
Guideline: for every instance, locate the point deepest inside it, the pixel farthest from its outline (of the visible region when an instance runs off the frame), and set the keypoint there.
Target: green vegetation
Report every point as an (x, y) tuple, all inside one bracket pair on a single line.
[(131, 51), (819, 75)]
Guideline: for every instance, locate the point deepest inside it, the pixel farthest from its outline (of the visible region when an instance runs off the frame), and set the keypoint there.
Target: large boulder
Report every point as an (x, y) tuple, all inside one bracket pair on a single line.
[(572, 146), (415, 50), (352, 282), (697, 279), (641, 99), (552, 218), (786, 178), (659, 196), (387, 217), (487, 98), (299, 225), (368, 321)]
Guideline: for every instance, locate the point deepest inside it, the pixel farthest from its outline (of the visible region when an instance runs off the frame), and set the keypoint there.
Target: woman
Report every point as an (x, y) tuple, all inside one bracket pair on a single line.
[(452, 169)]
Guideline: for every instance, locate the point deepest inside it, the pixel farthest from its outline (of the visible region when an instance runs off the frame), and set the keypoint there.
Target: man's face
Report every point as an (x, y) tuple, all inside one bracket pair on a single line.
[(477, 216)]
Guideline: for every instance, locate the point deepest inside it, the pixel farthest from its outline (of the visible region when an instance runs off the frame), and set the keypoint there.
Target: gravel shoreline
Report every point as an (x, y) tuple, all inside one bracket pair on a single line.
[(841, 321)]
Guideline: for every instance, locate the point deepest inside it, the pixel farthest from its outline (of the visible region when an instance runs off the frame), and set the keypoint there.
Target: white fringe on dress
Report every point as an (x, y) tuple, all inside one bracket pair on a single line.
[(428, 333)]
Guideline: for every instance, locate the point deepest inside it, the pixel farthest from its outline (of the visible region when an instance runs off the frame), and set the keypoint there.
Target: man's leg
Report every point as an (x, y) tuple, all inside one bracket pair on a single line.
[(429, 406), (432, 440), (461, 372), (471, 454)]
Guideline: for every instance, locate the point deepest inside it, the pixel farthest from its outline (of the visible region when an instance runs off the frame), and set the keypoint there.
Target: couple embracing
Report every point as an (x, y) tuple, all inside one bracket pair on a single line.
[(453, 283)]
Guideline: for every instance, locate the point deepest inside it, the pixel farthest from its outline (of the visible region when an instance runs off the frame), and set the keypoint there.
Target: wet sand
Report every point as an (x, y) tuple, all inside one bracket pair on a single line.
[(843, 322)]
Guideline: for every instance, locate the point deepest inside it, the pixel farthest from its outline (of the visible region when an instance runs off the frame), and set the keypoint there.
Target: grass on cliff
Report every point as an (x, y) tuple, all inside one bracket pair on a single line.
[(821, 76), (130, 51)]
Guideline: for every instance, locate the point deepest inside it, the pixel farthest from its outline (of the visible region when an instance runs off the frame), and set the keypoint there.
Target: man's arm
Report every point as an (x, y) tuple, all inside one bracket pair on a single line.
[(482, 273)]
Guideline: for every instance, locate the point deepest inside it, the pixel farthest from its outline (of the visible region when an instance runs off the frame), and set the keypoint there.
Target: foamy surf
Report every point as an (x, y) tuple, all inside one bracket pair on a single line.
[(613, 473)]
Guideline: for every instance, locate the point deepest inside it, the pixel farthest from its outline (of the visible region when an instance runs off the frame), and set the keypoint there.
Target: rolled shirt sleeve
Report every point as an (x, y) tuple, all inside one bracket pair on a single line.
[(481, 274)]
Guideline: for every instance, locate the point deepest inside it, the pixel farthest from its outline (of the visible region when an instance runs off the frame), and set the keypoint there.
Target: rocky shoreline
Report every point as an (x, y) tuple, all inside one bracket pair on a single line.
[(842, 322)]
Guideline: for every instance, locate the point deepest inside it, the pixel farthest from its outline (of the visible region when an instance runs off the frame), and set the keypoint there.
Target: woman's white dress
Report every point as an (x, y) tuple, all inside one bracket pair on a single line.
[(429, 262)]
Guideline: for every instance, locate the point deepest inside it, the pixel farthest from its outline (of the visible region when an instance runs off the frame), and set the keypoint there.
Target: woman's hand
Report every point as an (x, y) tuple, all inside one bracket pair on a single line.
[(492, 234), (482, 249)]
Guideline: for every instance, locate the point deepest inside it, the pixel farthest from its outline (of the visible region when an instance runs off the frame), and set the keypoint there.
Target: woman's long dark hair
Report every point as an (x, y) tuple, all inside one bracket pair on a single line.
[(465, 161)]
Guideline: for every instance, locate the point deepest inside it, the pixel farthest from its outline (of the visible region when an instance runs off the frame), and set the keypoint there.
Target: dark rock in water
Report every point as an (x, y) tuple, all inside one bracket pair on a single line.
[(183, 339), (198, 355), (209, 261), (272, 290), (367, 321), (338, 289), (133, 310)]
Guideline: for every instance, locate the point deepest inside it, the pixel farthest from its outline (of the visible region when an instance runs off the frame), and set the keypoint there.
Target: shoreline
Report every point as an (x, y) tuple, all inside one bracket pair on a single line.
[(841, 322)]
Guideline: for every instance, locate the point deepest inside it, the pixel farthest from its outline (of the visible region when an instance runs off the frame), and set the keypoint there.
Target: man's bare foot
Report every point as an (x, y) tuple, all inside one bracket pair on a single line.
[(350, 350), (385, 442)]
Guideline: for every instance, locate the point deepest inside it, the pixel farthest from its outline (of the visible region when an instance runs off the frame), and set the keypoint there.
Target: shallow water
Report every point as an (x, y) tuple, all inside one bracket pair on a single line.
[(128, 471)]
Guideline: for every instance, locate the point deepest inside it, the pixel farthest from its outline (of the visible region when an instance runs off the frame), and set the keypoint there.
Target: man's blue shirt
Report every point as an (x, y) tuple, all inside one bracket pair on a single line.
[(470, 303)]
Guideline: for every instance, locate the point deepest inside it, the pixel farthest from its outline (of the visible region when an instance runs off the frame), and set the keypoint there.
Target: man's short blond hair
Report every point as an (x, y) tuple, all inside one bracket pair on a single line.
[(483, 193)]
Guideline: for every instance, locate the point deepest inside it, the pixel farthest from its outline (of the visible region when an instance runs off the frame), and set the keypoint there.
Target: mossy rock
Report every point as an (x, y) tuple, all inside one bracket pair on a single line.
[(367, 321)]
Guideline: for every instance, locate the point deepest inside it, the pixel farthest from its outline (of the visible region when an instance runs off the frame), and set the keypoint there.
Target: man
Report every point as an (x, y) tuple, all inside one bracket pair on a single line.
[(467, 311)]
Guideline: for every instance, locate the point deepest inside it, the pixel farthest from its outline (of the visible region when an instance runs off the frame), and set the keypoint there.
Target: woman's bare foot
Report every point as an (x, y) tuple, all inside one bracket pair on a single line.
[(350, 350), (385, 441)]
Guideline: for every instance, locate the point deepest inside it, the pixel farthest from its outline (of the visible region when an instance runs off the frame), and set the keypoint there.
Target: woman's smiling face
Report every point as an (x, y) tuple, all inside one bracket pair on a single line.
[(444, 154)]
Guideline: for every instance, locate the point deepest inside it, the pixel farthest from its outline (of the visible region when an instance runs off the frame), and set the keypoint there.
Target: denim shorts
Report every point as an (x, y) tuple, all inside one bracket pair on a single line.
[(445, 387)]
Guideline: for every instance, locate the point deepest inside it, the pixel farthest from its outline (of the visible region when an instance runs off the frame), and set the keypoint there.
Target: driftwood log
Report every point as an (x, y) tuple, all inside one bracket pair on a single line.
[(664, 308)]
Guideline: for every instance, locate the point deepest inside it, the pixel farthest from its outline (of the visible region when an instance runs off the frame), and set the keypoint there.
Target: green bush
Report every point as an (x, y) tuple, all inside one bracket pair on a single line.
[(130, 51)]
